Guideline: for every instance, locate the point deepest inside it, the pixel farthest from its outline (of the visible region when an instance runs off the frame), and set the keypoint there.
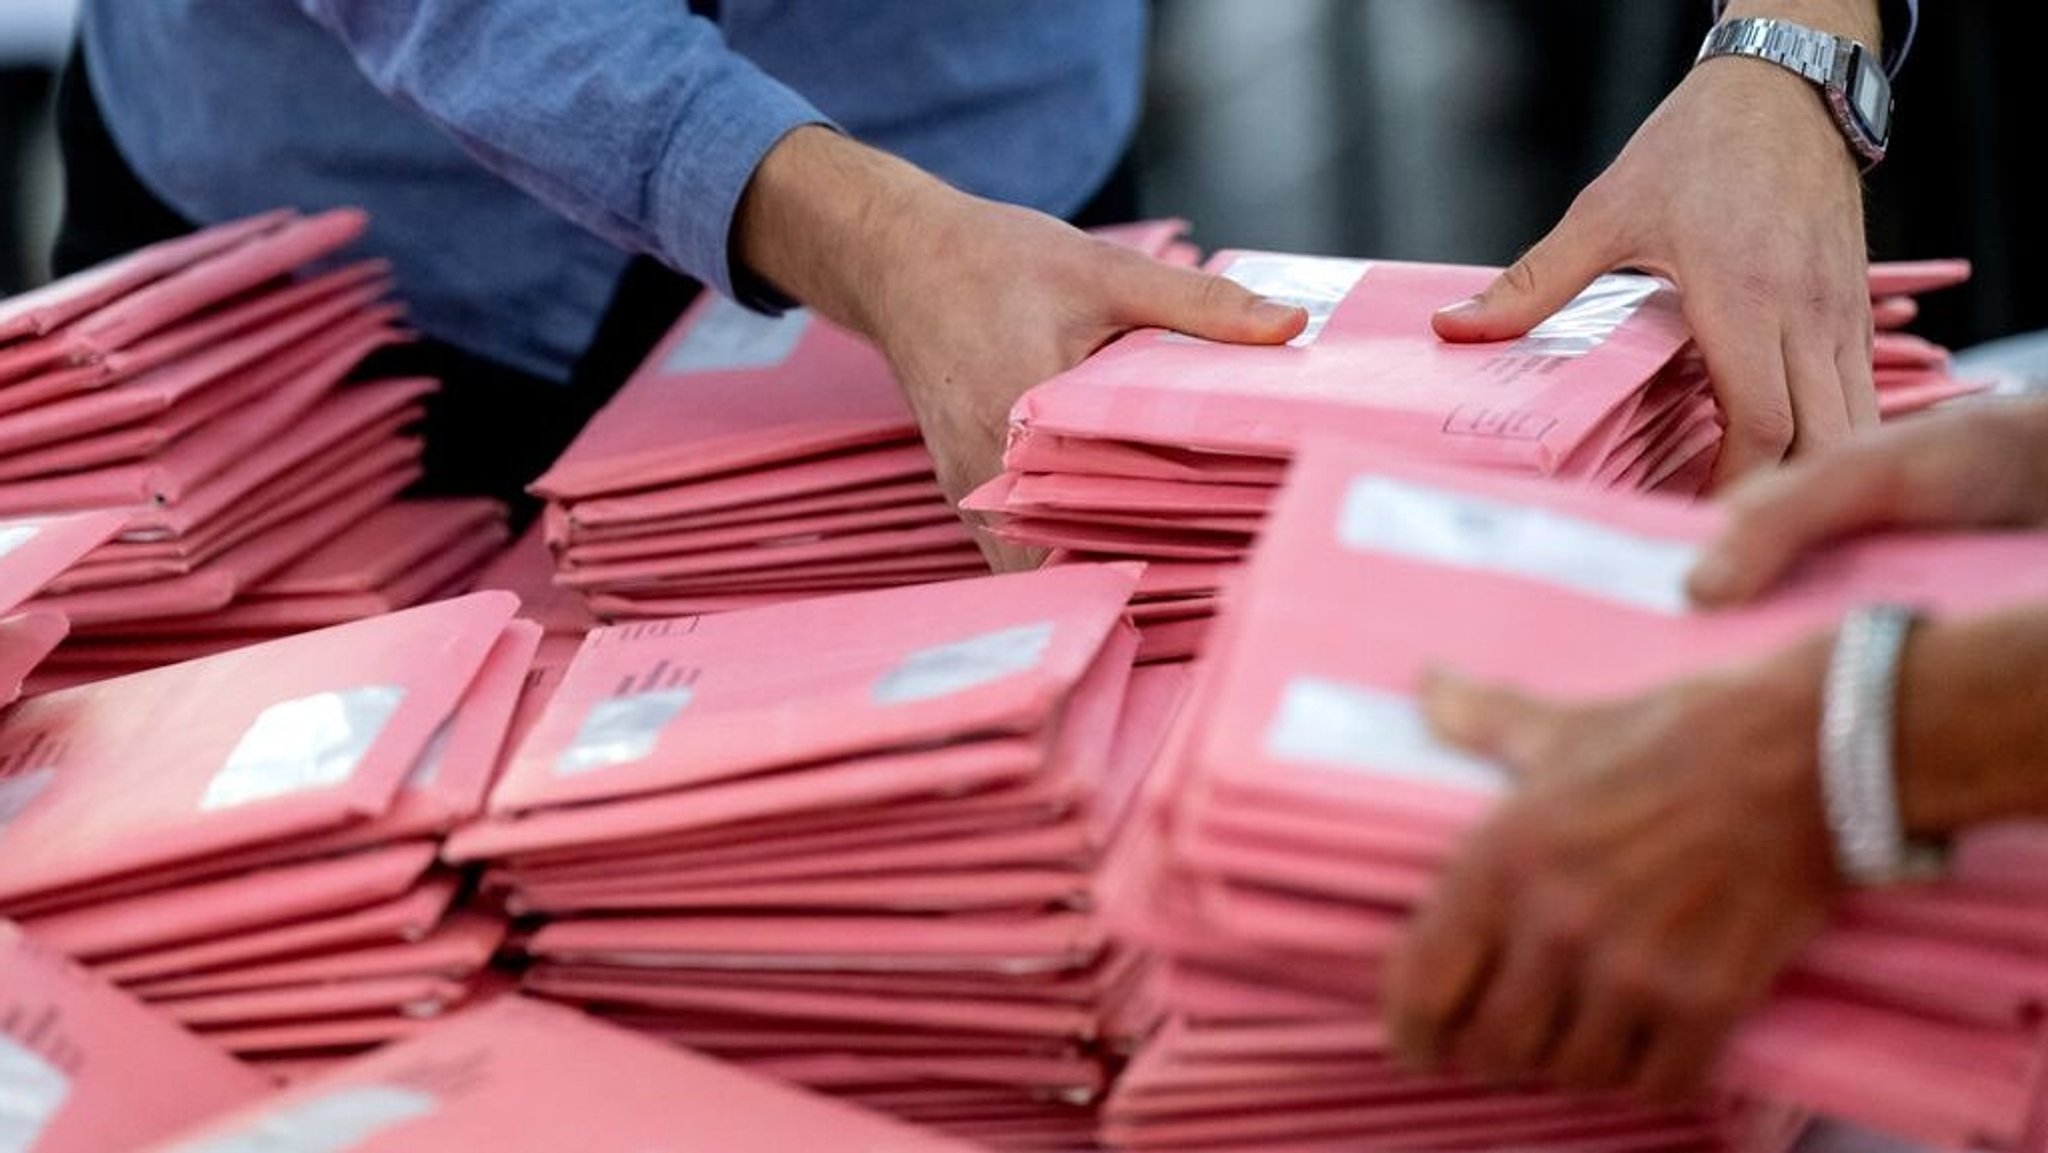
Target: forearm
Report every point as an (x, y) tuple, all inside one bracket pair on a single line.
[(1973, 722)]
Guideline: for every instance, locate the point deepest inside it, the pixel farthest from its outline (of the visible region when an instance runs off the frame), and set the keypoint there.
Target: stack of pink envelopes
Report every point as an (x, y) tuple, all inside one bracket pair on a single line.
[(848, 841), (1291, 830), (757, 459), (527, 571), (85, 1069), (1169, 450), (523, 1077), (33, 552), (406, 553), (198, 385), (250, 841)]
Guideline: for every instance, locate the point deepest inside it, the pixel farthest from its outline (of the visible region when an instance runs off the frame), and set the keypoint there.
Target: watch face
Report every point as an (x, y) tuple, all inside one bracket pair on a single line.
[(1870, 98)]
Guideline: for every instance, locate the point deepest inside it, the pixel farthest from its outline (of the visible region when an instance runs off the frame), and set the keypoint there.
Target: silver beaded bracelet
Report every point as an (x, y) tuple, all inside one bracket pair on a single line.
[(1859, 784)]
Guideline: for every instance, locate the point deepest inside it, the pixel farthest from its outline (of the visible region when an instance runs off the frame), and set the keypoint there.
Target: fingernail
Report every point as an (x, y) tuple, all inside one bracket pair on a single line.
[(1271, 311), (1712, 577), (1462, 310)]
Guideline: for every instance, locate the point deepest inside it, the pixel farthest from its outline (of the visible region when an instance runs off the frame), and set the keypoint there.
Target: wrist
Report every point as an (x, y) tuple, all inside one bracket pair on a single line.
[(826, 220)]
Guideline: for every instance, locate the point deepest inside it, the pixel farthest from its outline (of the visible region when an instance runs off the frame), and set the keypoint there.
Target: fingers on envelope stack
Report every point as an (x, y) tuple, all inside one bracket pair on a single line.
[(848, 841), (1170, 450), (754, 459), (249, 842), (198, 385), (1285, 839)]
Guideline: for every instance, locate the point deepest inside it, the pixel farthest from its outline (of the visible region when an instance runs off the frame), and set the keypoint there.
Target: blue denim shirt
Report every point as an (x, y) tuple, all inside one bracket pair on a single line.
[(513, 152)]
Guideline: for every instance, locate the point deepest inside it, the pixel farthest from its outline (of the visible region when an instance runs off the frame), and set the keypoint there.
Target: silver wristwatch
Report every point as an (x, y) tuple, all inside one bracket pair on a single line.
[(1850, 78)]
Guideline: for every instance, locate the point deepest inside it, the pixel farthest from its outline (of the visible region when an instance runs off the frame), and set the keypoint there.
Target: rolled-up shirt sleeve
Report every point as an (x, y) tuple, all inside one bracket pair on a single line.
[(632, 117), (1901, 20)]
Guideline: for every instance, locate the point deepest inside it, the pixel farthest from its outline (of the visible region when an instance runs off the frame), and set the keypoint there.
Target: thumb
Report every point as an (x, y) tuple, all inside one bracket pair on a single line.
[(1154, 294), (1545, 279), (1485, 720)]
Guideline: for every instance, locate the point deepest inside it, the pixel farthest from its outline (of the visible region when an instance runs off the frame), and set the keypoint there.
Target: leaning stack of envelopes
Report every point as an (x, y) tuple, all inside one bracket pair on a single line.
[(250, 841), (33, 552), (755, 459), (1169, 450), (85, 1069), (848, 841), (406, 553), (1292, 829), (198, 385), (520, 1076)]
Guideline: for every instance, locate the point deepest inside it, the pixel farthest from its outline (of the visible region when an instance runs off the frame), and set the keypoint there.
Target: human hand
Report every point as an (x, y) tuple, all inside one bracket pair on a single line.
[(1660, 861), (1976, 466), (973, 302), (1740, 190)]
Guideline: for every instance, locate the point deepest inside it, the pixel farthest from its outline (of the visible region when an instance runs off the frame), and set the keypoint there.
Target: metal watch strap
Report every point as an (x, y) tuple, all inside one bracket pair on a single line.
[(1814, 56), (1859, 788)]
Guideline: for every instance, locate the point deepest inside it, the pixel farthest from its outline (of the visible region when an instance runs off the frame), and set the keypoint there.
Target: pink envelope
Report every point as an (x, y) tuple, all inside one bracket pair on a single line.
[(163, 436), (406, 920), (934, 566), (881, 670), (26, 638), (383, 548), (293, 387), (1035, 450), (1059, 844), (154, 392), (50, 307), (957, 770), (460, 946), (946, 534), (343, 419), (1916, 277), (1032, 1024), (1051, 943), (535, 1077), (369, 281), (301, 522), (927, 892), (1517, 569), (214, 583), (36, 550), (527, 571), (240, 903), (768, 534), (855, 470), (1071, 988), (728, 390), (444, 788), (89, 1070), (221, 277), (566, 532), (1373, 368), (409, 996), (353, 1033), (265, 743), (377, 458), (773, 838)]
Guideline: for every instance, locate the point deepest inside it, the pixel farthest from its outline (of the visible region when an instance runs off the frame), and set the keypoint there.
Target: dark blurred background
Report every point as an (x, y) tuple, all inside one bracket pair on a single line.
[(1443, 130)]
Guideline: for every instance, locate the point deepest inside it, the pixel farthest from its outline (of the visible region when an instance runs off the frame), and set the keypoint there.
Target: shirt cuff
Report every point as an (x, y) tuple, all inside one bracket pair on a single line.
[(711, 155)]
